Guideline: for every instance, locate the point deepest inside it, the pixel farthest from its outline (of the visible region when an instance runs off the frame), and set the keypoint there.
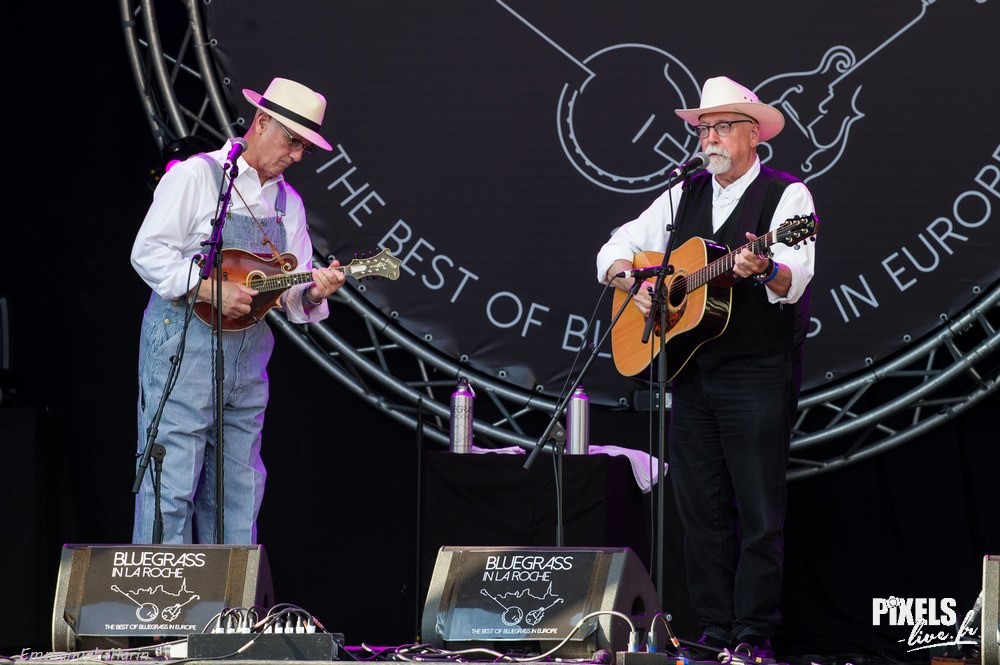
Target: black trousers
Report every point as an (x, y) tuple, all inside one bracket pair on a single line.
[(728, 455)]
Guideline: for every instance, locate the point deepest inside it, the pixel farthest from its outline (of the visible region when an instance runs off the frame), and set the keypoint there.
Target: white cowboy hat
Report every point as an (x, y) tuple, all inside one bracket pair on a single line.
[(722, 94), (295, 106)]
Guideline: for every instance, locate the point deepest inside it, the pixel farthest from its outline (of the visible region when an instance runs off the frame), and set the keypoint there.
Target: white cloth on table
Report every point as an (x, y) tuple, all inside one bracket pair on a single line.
[(643, 464)]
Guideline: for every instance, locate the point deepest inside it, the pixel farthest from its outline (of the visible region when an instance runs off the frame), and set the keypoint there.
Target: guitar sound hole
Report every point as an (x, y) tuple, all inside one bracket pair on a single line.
[(677, 292)]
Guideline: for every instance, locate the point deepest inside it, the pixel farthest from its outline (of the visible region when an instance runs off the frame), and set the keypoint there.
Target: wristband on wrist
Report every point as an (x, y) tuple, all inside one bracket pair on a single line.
[(770, 273), (307, 298)]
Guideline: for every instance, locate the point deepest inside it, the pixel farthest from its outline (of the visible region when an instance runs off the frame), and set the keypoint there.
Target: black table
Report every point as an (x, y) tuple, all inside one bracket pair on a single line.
[(490, 499)]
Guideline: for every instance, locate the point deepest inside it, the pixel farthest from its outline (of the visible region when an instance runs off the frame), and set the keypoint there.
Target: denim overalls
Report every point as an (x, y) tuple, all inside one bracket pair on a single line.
[(187, 427)]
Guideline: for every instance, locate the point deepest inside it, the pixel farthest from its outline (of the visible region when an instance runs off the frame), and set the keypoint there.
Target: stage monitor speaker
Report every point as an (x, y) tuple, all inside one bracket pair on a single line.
[(989, 626), (121, 596), (529, 599)]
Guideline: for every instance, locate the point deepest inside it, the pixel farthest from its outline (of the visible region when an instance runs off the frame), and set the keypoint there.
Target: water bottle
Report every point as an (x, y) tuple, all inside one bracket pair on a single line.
[(578, 423), (462, 403)]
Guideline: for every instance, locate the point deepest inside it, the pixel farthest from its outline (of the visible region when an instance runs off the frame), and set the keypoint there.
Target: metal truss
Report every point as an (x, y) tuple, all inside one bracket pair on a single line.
[(880, 407)]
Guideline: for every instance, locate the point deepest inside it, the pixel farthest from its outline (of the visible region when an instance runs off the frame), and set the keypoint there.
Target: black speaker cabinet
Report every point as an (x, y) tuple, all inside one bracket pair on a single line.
[(989, 626), (529, 599), (119, 596)]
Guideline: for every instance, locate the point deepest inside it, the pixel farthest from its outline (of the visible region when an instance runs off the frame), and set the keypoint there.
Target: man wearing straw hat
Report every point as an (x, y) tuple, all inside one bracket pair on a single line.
[(733, 400), (265, 216)]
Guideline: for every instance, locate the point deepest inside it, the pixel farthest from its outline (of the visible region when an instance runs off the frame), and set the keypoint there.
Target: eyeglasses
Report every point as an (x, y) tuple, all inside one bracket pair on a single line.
[(721, 128), (294, 143)]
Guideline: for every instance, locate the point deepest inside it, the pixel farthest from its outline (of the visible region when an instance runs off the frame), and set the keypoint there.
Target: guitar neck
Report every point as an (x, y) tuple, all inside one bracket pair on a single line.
[(724, 264)]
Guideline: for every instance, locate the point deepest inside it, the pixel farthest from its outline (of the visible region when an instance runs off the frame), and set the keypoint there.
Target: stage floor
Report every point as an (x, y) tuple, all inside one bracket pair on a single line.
[(689, 654)]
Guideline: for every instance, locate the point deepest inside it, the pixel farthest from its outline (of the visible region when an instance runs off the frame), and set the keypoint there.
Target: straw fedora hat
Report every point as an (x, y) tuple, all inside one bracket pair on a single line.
[(722, 94), (295, 106)]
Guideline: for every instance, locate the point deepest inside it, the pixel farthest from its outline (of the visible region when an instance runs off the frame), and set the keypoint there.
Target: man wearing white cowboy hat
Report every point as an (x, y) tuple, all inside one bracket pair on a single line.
[(266, 217), (735, 394)]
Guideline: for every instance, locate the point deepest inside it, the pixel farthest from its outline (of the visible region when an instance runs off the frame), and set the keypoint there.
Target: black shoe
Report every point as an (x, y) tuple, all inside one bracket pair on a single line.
[(755, 649)]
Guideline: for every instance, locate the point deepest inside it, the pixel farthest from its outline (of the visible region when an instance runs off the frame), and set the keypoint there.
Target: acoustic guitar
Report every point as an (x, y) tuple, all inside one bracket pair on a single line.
[(271, 277), (697, 296)]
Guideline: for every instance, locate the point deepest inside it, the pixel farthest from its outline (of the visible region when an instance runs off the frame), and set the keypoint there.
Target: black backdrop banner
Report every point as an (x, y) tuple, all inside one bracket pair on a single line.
[(493, 146)]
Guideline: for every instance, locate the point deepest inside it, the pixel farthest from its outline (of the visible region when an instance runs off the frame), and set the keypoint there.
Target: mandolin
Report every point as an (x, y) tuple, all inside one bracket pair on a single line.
[(271, 277)]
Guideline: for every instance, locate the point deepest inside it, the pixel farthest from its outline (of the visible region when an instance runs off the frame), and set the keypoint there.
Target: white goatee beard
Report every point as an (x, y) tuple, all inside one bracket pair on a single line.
[(722, 161)]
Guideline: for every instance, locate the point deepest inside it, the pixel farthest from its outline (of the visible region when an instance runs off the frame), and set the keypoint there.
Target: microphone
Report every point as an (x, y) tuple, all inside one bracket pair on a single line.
[(639, 273), (239, 145), (696, 163)]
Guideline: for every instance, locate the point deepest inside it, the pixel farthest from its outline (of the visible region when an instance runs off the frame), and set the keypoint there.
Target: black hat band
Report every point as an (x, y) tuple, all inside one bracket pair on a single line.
[(288, 113)]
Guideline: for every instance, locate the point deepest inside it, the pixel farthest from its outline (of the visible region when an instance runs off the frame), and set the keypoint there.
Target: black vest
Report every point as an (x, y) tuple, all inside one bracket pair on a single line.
[(756, 327)]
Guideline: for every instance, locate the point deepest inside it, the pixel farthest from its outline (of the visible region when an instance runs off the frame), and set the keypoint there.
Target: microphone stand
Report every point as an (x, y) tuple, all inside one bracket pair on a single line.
[(154, 450), (658, 314), (554, 432), (213, 264)]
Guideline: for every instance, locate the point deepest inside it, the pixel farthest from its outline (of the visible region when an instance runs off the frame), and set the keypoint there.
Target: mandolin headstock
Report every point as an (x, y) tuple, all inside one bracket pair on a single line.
[(382, 265)]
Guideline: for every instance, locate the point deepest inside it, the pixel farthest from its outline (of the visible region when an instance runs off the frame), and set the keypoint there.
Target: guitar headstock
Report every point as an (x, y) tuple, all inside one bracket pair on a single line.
[(383, 265), (796, 229)]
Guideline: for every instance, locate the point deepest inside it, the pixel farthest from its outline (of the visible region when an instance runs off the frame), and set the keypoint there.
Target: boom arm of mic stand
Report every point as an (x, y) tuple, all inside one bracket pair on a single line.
[(541, 442), (154, 427), (154, 450), (153, 430)]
